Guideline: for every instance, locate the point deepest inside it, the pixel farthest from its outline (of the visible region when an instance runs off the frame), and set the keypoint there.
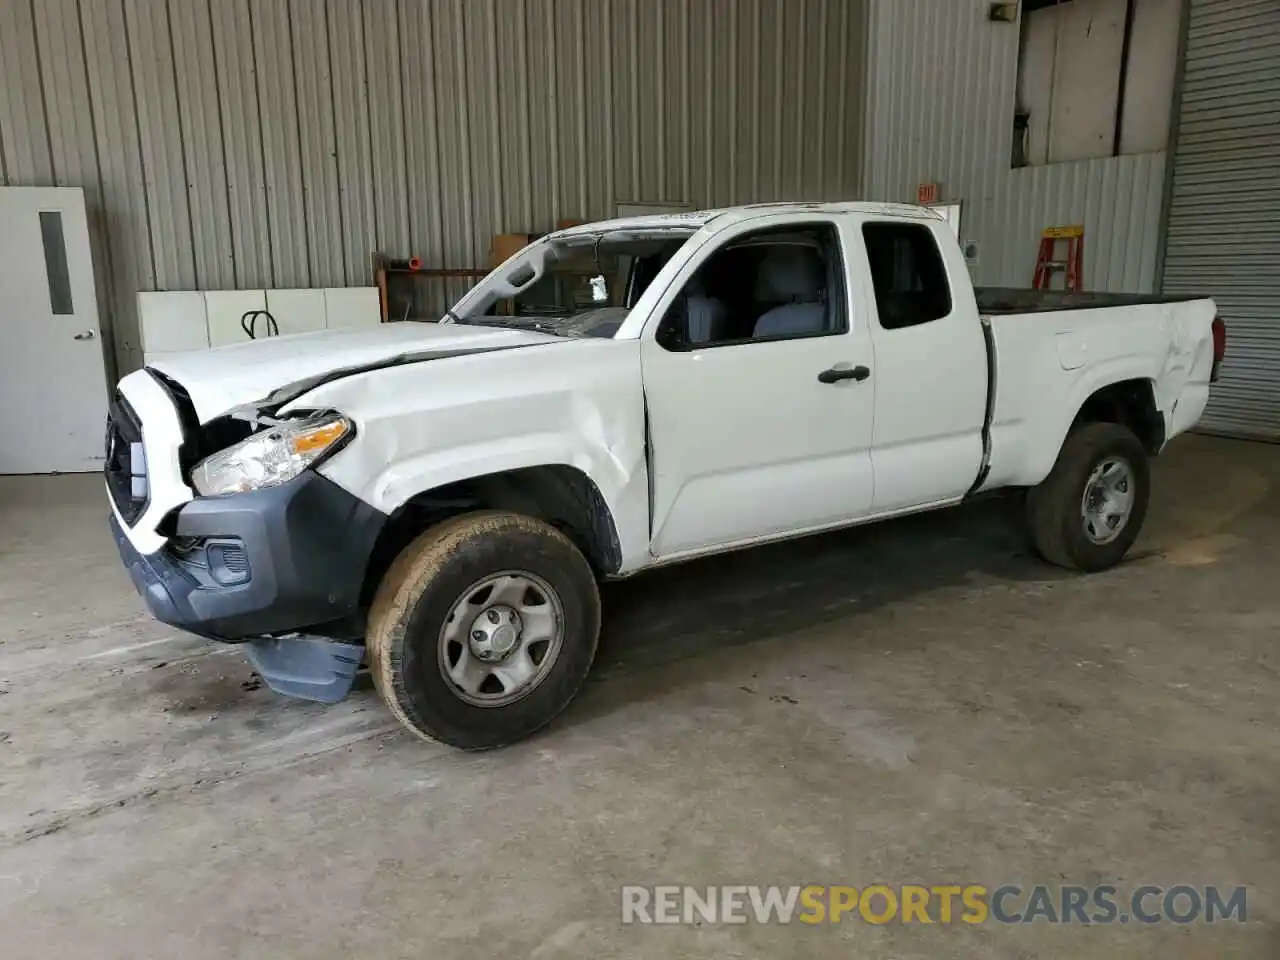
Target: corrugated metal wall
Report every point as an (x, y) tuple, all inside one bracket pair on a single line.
[(277, 143), (1223, 236), (942, 82)]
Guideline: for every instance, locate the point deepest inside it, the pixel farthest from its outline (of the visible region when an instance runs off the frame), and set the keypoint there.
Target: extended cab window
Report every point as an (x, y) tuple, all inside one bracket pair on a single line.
[(774, 284), (908, 275)]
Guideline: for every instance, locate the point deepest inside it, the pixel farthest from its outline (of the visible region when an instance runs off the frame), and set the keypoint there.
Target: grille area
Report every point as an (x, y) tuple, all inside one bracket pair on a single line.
[(125, 466)]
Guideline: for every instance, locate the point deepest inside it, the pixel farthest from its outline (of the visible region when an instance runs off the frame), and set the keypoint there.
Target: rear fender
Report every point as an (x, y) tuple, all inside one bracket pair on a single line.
[(1025, 450)]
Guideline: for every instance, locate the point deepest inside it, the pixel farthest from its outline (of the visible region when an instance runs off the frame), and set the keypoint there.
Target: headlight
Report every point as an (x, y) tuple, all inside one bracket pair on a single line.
[(272, 456)]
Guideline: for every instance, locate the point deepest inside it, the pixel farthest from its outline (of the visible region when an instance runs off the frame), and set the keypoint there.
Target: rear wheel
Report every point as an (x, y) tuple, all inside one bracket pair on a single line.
[(483, 629), (1086, 514)]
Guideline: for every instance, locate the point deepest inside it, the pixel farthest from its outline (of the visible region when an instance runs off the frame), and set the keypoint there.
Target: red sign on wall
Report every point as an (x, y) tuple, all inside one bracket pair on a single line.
[(927, 193)]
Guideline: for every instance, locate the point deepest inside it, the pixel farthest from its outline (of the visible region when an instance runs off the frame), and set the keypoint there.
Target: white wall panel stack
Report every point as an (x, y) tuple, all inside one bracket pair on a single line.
[(198, 320)]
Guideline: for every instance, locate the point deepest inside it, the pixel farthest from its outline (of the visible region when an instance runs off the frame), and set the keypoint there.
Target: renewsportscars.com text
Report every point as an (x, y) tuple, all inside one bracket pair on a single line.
[(933, 904)]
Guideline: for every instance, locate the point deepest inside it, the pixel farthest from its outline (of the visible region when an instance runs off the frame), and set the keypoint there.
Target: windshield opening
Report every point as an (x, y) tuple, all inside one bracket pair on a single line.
[(583, 285)]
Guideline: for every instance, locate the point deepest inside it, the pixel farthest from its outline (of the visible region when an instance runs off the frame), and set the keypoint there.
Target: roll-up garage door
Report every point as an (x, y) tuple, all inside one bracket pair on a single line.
[(1223, 236)]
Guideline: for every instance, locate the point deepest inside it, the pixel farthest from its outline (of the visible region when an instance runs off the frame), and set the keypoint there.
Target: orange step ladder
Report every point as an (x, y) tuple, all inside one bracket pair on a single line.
[(1073, 265)]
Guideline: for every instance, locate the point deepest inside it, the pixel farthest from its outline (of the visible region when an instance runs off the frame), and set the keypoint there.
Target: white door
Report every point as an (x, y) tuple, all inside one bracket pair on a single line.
[(758, 429), (53, 385), (931, 363)]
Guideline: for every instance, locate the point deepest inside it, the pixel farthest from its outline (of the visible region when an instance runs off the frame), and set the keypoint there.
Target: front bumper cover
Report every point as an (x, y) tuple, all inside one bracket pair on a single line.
[(304, 548)]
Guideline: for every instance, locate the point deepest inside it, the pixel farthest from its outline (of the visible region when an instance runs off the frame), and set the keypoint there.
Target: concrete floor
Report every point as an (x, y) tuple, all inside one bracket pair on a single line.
[(916, 702)]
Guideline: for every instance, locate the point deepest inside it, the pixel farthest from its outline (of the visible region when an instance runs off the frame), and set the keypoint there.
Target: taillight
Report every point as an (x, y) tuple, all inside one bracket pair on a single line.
[(1219, 348)]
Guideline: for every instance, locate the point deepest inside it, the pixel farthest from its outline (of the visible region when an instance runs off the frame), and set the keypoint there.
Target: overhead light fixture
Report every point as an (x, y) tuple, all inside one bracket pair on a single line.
[(1003, 13)]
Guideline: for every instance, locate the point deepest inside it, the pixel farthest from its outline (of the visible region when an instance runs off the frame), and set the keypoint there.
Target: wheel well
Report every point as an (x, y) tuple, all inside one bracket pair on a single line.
[(1130, 403), (563, 496)]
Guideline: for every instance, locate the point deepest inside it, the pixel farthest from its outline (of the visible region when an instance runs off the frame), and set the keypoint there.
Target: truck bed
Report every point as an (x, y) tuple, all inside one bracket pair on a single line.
[(1043, 372), (997, 301)]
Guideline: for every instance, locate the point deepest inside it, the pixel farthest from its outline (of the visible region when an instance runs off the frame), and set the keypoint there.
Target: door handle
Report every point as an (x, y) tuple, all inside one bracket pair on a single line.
[(835, 375), (84, 335)]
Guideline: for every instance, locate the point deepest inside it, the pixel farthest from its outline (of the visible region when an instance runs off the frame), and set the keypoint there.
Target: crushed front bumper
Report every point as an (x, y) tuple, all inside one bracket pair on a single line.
[(275, 569)]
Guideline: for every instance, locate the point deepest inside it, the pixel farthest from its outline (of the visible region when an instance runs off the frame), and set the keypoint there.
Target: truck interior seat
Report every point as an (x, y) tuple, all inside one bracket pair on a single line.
[(707, 316), (792, 276)]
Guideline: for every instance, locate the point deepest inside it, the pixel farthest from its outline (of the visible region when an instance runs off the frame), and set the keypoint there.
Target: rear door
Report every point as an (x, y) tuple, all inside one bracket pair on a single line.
[(931, 363), (763, 425)]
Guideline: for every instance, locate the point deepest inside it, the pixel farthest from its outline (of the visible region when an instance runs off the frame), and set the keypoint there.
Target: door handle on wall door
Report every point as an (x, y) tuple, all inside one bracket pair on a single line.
[(835, 374), (84, 335)]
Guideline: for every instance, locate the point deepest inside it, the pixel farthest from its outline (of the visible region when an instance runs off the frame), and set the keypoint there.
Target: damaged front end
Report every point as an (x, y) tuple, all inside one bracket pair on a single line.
[(273, 559)]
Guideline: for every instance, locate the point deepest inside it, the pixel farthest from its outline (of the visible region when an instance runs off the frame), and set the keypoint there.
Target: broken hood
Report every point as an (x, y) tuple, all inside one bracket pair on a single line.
[(274, 370)]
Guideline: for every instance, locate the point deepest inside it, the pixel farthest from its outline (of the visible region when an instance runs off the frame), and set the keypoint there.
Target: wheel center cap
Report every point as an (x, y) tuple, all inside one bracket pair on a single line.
[(504, 638), (495, 633)]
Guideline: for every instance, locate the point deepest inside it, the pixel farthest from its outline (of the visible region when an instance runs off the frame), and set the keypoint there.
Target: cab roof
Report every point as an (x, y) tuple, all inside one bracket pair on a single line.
[(695, 219)]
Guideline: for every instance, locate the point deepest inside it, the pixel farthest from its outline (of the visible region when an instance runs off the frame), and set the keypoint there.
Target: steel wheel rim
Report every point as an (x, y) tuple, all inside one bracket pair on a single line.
[(501, 638), (1108, 500)]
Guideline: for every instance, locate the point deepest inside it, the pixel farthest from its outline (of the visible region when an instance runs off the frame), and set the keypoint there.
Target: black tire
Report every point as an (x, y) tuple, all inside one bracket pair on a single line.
[(1015, 512), (1054, 507), (419, 591)]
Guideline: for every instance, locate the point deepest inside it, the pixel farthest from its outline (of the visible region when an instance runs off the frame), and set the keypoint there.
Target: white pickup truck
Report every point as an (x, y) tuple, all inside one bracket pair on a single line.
[(438, 500)]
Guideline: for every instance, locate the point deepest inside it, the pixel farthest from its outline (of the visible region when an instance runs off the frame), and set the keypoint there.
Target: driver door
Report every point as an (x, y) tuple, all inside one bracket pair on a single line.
[(763, 427)]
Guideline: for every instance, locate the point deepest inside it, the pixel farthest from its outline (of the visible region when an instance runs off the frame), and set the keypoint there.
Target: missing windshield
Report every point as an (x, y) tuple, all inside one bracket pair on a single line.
[(581, 285)]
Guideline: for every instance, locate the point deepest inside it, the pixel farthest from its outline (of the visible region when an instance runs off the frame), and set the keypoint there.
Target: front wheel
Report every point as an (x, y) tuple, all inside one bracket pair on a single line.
[(1086, 514), (483, 629)]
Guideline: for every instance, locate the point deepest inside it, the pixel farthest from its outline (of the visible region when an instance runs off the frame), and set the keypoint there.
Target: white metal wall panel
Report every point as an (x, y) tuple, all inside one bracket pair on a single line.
[(941, 87), (72, 146), (318, 94), (389, 177), (424, 111), (569, 168), (240, 121), (1147, 107), (452, 105), (514, 161), (160, 134), (348, 73), (24, 130), (121, 214), (625, 89), (537, 50), (1223, 234), (1090, 48), (600, 70), (722, 114), (1035, 77), (252, 144), (68, 119), (483, 148), (190, 25), (271, 39)]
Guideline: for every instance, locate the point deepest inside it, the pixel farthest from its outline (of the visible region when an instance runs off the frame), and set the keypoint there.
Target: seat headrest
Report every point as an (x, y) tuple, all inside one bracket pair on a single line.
[(790, 274)]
